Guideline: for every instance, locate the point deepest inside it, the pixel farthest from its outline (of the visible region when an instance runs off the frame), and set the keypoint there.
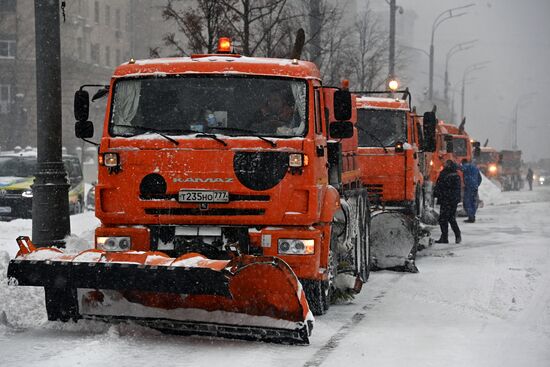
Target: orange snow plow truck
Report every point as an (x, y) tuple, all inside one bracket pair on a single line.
[(390, 157), (228, 197)]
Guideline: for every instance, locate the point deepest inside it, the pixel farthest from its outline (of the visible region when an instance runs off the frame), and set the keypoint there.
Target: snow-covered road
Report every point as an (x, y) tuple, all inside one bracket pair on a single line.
[(485, 302)]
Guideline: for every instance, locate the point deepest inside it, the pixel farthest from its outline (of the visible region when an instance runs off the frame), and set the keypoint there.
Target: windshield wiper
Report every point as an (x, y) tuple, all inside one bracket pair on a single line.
[(152, 130), (238, 129), (373, 136), (212, 136)]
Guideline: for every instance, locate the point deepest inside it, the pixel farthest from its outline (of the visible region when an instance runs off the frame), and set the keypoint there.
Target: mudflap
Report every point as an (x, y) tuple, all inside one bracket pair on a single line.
[(394, 240), (248, 297)]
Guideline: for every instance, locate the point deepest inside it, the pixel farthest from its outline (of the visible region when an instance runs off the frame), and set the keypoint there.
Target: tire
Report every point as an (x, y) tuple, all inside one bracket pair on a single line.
[(316, 296), (364, 240)]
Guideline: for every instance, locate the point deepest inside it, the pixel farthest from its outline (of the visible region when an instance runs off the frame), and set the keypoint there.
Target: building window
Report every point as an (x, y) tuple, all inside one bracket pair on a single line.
[(107, 56), (5, 98), (117, 19), (96, 12), (107, 15), (94, 53), (7, 49)]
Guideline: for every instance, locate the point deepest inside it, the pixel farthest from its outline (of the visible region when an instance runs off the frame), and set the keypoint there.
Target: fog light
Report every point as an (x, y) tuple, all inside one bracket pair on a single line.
[(114, 243), (110, 159), (27, 194), (297, 160), (296, 247)]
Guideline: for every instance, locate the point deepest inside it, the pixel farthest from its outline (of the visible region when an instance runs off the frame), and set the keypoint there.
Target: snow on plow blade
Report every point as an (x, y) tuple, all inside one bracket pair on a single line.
[(248, 297), (393, 239)]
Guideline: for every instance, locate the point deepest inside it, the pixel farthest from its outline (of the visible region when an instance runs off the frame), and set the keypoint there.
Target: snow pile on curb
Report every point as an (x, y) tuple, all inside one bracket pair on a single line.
[(21, 306), (489, 192)]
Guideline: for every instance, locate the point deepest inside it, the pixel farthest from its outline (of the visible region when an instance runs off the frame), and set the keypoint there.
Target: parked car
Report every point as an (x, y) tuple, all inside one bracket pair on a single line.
[(17, 175)]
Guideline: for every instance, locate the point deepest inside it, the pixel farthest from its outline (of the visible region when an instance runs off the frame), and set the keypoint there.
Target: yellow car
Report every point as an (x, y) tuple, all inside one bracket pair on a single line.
[(17, 175)]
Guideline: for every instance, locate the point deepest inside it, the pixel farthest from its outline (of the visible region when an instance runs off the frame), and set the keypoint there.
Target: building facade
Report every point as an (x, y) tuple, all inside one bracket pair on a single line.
[(96, 36)]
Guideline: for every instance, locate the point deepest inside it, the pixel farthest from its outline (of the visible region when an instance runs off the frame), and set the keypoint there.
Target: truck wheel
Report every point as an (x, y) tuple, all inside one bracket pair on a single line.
[(316, 296), (364, 240)]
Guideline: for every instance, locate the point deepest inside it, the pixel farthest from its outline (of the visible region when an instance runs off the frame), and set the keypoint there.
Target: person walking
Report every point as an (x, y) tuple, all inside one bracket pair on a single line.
[(447, 192), (472, 180), (529, 178)]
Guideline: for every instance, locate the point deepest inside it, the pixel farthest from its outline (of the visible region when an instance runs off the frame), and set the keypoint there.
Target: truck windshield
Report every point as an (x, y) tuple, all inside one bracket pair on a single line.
[(230, 105), (17, 167), (459, 147), (486, 157), (384, 127)]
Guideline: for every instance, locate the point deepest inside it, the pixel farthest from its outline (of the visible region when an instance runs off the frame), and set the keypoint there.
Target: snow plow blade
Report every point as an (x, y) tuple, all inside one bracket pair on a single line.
[(394, 240), (248, 297)]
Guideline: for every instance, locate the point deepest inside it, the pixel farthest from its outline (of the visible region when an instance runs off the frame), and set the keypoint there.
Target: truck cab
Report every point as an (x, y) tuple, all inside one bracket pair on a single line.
[(390, 151), (208, 153)]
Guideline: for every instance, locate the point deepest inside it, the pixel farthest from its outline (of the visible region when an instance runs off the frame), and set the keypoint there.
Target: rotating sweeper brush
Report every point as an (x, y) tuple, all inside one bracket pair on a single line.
[(248, 297)]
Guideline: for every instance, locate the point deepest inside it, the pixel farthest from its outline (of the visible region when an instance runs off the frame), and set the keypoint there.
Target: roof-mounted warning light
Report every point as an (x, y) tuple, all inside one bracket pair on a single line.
[(393, 85), (345, 84), (224, 45)]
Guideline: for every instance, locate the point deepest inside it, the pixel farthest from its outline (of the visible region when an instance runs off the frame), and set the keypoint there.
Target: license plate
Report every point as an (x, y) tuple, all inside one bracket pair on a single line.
[(203, 196), (5, 209)]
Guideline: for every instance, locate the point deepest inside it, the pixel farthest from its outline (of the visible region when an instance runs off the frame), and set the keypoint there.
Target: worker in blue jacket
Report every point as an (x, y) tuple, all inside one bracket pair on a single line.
[(472, 180)]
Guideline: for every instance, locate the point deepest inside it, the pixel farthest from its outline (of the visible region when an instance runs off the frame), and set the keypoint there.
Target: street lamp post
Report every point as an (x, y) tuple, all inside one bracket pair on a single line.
[(453, 50), (50, 203), (393, 8), (445, 15), (515, 121), (467, 70)]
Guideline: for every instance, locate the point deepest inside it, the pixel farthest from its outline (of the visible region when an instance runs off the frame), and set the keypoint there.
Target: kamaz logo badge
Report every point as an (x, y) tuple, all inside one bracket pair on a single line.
[(3, 192), (203, 180)]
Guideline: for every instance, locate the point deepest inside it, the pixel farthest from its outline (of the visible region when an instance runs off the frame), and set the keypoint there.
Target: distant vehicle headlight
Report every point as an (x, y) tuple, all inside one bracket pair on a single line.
[(492, 168), (27, 194), (541, 179)]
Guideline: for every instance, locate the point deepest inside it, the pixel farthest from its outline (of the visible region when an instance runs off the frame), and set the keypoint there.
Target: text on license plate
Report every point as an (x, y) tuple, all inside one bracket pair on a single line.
[(200, 196)]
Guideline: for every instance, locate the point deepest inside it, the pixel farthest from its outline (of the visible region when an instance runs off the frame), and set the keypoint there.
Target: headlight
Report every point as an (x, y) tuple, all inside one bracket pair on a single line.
[(114, 243), (297, 160), (541, 179), (27, 194), (492, 168), (296, 247)]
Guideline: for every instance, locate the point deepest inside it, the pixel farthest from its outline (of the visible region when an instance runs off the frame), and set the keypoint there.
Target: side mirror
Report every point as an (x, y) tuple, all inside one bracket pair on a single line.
[(81, 105), (84, 129), (477, 149), (341, 130), (429, 124), (449, 143), (342, 105)]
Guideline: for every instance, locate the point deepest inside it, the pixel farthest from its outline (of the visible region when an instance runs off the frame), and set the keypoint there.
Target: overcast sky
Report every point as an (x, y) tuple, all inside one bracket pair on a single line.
[(514, 36)]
